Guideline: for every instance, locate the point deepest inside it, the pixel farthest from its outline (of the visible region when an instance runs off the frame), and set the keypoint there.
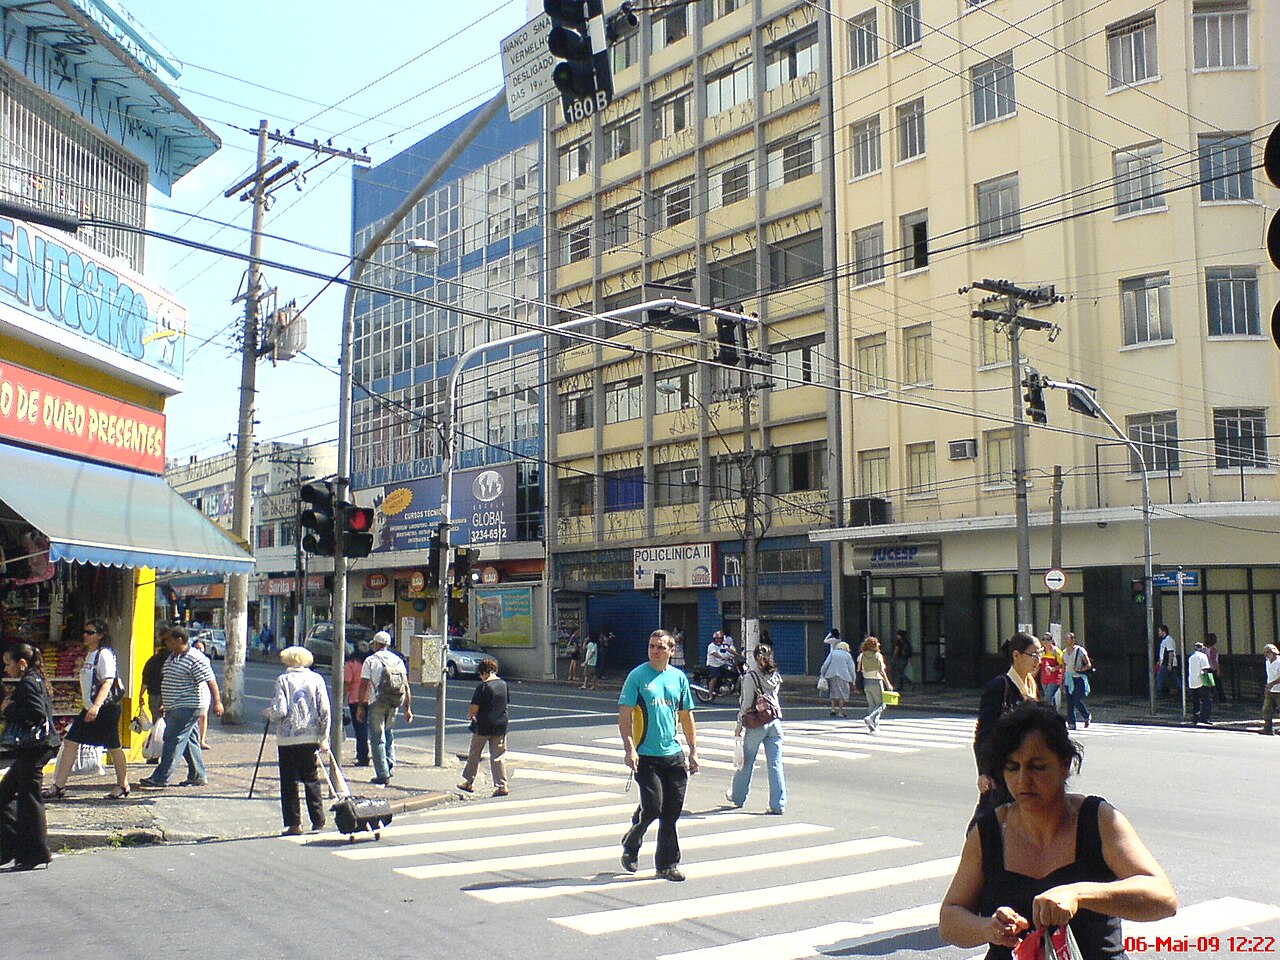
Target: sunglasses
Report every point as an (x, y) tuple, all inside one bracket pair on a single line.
[(89, 631)]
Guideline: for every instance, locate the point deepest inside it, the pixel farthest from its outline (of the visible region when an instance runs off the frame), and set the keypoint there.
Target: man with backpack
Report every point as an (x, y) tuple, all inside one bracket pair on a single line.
[(384, 689)]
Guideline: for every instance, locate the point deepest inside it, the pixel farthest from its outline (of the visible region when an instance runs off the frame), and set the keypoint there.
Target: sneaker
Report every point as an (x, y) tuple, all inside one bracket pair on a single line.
[(202, 782), (871, 727), (502, 792), (629, 863), (149, 784), (381, 781), (294, 831), (466, 787), (774, 812), (670, 873)]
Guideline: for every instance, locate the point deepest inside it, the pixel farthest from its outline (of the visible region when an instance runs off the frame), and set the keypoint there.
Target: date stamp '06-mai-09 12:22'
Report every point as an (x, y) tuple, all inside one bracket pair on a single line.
[(1262, 946)]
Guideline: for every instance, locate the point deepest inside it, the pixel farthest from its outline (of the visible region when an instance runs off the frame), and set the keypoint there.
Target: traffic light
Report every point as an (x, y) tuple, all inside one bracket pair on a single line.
[(659, 586), (463, 575), (1034, 396), (578, 40), (1138, 591), (357, 531), (433, 558), (317, 517), (1271, 165), (730, 334)]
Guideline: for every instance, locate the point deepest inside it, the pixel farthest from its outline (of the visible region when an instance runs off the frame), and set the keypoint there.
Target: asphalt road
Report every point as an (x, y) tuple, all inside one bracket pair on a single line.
[(855, 868)]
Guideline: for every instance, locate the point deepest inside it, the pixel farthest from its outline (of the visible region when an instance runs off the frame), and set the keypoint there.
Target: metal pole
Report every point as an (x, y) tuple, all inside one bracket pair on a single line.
[(1055, 556), (297, 562), (1023, 610), (1182, 643), (241, 520), (750, 568)]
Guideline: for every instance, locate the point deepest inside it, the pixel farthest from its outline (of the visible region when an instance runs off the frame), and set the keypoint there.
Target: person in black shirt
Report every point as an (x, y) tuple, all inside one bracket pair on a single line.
[(488, 715)]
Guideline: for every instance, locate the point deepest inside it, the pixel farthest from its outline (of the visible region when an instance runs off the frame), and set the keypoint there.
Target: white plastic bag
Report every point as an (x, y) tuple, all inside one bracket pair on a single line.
[(823, 686), (141, 723), (88, 761), (739, 754), (153, 746)]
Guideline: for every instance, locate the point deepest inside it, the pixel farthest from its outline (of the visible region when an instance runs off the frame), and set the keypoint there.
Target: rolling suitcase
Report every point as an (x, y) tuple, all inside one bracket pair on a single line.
[(352, 815)]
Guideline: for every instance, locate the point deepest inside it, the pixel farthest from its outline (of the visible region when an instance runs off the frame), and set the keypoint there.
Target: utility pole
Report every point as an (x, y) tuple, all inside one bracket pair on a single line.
[(1012, 323), (264, 178), (1055, 556)]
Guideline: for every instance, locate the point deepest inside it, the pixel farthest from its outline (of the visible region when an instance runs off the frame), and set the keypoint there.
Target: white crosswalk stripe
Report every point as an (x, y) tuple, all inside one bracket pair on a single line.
[(702, 750)]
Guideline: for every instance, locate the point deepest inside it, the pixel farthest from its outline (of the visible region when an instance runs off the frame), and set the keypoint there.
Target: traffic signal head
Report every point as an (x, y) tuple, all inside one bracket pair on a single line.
[(1034, 396), (464, 558), (1138, 591), (584, 75), (317, 517), (730, 335), (357, 531), (1271, 166)]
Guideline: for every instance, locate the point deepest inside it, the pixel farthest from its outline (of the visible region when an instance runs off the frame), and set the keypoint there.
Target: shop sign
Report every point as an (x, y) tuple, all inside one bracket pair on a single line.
[(685, 565), (49, 413), (901, 556), (59, 290), (195, 591), (376, 581), (285, 586), (417, 581), (489, 575), (484, 507)]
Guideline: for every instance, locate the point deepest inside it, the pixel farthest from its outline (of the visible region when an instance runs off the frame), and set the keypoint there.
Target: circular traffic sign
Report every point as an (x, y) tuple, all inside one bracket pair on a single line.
[(1055, 579)]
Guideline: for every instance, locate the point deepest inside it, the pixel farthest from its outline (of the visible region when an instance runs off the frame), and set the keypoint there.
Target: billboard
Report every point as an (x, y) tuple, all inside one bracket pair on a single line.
[(484, 509), (504, 616), (684, 565)]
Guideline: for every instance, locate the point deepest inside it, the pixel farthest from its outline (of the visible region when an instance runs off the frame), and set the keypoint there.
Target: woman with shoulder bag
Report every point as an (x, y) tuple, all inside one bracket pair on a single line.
[(1075, 660), (300, 702), (98, 724), (1001, 695), (760, 685), (837, 670), (29, 744), (875, 681)]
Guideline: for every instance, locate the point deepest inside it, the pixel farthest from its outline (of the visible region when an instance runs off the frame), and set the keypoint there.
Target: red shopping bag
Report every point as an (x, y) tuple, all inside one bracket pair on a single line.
[(1048, 943)]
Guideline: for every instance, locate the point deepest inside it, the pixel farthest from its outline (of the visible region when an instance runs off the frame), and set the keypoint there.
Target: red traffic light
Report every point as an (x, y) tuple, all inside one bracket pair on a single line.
[(359, 519)]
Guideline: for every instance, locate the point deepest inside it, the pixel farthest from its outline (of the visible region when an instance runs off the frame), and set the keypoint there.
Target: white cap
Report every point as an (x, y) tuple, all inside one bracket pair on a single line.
[(382, 639)]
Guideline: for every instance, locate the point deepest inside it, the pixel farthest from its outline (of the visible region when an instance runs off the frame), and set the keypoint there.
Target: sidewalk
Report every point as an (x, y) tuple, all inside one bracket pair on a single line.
[(222, 810)]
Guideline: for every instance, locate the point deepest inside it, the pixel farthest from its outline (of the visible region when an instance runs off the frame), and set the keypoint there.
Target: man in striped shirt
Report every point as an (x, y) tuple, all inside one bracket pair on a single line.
[(184, 671)]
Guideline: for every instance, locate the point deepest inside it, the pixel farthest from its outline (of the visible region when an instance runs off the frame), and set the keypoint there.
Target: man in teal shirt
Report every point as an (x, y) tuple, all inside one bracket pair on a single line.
[(654, 696)]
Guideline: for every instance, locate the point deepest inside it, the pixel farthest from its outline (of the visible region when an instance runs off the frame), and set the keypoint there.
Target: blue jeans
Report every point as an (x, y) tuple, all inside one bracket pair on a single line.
[(179, 738), (1051, 694), (1075, 701), (360, 729), (382, 739), (1163, 676), (771, 736)]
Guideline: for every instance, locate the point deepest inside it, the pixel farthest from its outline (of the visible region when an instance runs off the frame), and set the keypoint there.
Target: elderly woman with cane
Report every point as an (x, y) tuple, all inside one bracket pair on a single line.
[(300, 703)]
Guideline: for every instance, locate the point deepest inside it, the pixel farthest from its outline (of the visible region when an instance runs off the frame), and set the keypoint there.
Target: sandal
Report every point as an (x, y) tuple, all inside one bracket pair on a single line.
[(53, 793), (119, 793)]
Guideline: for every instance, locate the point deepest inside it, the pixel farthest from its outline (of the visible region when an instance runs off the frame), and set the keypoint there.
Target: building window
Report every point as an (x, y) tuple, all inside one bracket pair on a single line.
[(914, 228), (670, 25), (873, 472), (671, 483), (1131, 50), (1224, 167), (577, 496), (868, 254), (1144, 304), (625, 53), (1240, 439), (623, 401), (1139, 178), (790, 159), (266, 536), (575, 160), (998, 214), (997, 447), (800, 467), (729, 88), (713, 10), (796, 56), (922, 470), (991, 86), (733, 280), (675, 390), (730, 182), (621, 138), (674, 203), (911, 129), (576, 410), (870, 360), (576, 241), (795, 366), (624, 490), (795, 260), (671, 115), (907, 29), (1220, 34), (1156, 434), (864, 143), (864, 43), (995, 345), (1231, 294), (620, 226), (726, 478), (917, 354)]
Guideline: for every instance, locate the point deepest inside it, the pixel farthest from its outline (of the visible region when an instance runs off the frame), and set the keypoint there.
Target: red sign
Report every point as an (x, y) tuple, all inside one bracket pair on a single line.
[(417, 581), (376, 581), (49, 413)]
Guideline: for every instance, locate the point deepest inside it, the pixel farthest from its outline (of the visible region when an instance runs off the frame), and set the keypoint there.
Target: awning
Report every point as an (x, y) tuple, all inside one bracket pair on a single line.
[(97, 514)]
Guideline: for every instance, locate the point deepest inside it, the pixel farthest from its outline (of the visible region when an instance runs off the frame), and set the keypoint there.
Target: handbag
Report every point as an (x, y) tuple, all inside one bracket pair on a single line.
[(1210, 678), (823, 686), (763, 711), (17, 737), (116, 693), (890, 698)]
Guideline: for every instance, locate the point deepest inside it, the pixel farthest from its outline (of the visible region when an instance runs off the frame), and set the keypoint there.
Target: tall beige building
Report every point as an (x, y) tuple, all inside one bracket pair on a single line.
[(1111, 150)]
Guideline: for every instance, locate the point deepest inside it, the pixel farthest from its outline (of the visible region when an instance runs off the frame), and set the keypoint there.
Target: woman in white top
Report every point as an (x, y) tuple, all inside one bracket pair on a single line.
[(98, 724), (301, 704), (1076, 663), (838, 671), (875, 680)]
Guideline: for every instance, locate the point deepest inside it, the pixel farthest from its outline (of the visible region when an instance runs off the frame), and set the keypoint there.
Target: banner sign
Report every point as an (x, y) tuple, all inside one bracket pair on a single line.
[(903, 556), (484, 509), (687, 565), (504, 616), (60, 290), (49, 413)]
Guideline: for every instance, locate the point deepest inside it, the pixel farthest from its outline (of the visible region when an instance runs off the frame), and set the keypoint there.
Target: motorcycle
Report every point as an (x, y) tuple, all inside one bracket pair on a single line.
[(700, 679)]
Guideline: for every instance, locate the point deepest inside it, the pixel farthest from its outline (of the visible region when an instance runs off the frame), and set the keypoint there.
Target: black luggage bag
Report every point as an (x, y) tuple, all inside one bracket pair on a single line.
[(352, 815)]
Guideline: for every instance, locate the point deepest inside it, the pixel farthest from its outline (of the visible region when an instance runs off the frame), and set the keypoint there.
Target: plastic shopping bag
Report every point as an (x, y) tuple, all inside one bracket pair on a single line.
[(823, 686), (88, 761), (1048, 943), (739, 754), (153, 746)]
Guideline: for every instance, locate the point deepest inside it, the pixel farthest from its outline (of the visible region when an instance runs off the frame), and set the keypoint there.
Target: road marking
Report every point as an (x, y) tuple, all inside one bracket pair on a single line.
[(890, 734), (792, 744), (554, 776), (720, 904), (828, 940), (806, 741), (599, 765), (607, 752), (715, 839), (701, 871), (510, 820)]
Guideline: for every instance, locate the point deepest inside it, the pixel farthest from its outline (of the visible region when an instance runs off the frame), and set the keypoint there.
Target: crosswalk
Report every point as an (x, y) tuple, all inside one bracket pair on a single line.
[(757, 888)]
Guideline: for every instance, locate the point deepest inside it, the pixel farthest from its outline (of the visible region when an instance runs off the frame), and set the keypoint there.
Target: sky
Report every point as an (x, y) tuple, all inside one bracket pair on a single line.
[(382, 75)]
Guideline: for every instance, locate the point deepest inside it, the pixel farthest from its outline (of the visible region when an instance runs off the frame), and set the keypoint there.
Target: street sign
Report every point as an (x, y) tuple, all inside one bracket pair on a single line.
[(1055, 579), (527, 66), (1190, 578)]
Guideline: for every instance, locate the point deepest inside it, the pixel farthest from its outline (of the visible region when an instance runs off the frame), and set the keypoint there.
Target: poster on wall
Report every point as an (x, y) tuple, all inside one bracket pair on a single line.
[(504, 616), (484, 509)]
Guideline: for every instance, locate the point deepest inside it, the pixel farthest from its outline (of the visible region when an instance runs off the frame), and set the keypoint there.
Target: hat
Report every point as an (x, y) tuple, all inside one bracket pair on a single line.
[(382, 639)]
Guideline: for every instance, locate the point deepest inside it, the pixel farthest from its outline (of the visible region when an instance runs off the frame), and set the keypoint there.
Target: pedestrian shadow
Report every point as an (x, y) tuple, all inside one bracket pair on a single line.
[(551, 883), (921, 939)]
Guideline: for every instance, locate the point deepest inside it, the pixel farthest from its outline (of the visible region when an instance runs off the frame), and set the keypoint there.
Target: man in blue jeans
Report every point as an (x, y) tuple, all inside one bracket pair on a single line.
[(378, 710), (654, 696), (184, 671)]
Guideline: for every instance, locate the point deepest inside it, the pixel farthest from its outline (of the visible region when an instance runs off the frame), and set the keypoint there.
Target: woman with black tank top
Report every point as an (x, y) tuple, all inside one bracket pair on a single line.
[(1048, 857), (1005, 692)]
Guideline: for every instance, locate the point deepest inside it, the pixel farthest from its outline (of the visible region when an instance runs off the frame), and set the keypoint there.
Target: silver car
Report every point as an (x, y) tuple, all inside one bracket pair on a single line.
[(215, 643)]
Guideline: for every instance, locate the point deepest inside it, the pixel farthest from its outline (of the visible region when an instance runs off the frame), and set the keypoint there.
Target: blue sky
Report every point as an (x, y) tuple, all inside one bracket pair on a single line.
[(290, 65)]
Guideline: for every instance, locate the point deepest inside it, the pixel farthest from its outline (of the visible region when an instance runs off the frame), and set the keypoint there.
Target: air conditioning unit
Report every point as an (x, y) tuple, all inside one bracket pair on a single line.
[(690, 476), (868, 511), (962, 450)]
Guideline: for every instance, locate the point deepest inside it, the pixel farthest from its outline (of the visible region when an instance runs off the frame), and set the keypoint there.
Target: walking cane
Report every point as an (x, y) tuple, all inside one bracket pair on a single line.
[(262, 746)]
